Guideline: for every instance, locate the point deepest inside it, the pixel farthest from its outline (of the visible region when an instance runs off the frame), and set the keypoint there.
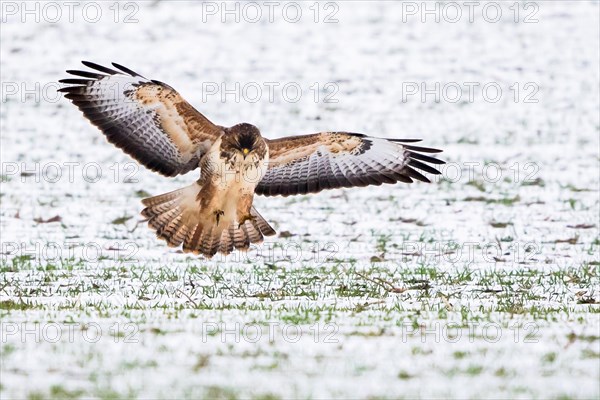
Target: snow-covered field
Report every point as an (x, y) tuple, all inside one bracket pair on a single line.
[(483, 284)]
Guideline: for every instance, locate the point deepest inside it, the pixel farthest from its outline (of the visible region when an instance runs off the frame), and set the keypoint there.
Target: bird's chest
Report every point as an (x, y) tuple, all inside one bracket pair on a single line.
[(233, 173)]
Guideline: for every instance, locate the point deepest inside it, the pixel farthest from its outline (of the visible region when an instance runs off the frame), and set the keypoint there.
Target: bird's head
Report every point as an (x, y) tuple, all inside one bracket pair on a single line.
[(244, 140)]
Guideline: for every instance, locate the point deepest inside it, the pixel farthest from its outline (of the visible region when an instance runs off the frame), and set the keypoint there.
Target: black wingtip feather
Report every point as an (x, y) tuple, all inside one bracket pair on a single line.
[(126, 70), (85, 74), (404, 178), (73, 81), (428, 159), (424, 167), (99, 68), (414, 174), (72, 96), (422, 149), (405, 140), (71, 89)]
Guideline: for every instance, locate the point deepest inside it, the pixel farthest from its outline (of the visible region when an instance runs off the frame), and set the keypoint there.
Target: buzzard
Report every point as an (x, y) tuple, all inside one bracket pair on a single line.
[(151, 122)]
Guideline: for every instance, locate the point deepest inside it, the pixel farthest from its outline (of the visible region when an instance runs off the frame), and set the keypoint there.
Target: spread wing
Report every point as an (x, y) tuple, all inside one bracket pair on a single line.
[(148, 119), (329, 160)]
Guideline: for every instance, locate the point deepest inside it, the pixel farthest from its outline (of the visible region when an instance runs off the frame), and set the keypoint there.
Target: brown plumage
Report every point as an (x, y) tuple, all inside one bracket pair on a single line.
[(179, 218), (151, 122), (215, 213)]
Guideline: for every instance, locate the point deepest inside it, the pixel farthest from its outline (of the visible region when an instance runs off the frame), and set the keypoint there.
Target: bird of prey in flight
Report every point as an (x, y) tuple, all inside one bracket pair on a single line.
[(152, 123)]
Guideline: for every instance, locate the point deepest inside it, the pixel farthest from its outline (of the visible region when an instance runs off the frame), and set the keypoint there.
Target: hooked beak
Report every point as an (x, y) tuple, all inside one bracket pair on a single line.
[(245, 151)]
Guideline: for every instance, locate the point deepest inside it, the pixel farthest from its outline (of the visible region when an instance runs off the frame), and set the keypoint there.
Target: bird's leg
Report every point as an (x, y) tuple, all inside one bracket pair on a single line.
[(243, 209), (218, 215)]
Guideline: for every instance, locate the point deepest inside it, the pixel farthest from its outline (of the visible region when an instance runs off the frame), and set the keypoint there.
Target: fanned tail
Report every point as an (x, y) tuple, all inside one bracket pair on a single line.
[(178, 219)]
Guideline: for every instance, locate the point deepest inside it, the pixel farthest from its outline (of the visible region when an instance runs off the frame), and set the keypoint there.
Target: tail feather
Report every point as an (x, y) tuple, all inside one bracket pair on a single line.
[(162, 208), (169, 230), (261, 224), (179, 236), (161, 221), (226, 245), (193, 245), (209, 241), (164, 198), (241, 240), (188, 244), (253, 232), (177, 218), (215, 242)]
